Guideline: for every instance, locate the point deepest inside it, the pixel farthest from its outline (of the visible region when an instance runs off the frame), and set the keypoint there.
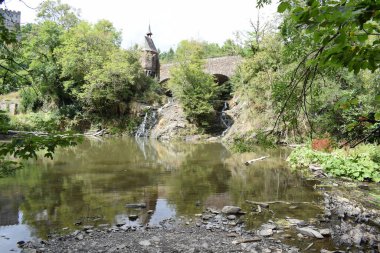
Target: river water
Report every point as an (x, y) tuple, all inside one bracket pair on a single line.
[(92, 183)]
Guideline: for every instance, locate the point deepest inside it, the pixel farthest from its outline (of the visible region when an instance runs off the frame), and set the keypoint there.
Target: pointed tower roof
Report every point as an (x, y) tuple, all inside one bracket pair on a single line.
[(149, 33), (149, 44)]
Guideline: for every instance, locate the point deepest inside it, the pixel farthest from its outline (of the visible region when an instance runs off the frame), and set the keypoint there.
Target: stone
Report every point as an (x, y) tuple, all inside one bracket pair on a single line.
[(136, 205), (325, 232), (269, 226), (206, 216), (145, 243), (231, 217), (265, 232), (28, 250), (310, 232), (79, 237), (133, 217), (295, 222), (88, 227), (231, 209)]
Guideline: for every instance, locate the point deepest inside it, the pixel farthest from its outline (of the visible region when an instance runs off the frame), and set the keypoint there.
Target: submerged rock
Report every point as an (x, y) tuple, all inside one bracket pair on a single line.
[(231, 210), (136, 205), (310, 232)]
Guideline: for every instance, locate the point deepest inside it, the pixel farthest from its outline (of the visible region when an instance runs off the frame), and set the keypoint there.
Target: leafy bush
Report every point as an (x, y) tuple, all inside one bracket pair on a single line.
[(30, 99), (195, 89), (8, 168), (354, 163), (39, 121)]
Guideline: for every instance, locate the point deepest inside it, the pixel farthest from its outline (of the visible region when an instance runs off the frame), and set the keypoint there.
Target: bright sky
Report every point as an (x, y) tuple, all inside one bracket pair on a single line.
[(171, 20)]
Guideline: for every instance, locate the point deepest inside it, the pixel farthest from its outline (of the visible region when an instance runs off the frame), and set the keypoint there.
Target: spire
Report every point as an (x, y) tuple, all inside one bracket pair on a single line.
[(149, 33)]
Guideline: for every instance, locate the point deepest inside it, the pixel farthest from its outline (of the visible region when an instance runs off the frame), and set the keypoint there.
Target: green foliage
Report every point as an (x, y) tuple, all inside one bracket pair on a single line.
[(8, 168), (360, 164), (38, 121), (242, 145), (30, 99), (195, 89), (27, 146), (57, 12), (4, 122), (108, 89), (250, 144), (209, 50)]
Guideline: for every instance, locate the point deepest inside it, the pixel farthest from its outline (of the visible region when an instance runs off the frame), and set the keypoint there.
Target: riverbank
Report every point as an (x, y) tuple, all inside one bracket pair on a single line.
[(346, 225)]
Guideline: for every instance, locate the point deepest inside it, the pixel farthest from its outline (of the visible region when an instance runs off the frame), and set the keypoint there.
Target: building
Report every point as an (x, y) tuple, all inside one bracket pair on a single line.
[(150, 57), (11, 19)]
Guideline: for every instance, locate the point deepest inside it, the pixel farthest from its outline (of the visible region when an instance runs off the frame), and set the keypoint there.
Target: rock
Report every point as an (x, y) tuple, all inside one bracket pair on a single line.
[(269, 226), (310, 232), (133, 217), (136, 205), (79, 237), (150, 211), (265, 232), (120, 225), (206, 216), (364, 187), (145, 243), (28, 250), (75, 233), (246, 240), (231, 217), (88, 227), (231, 210), (295, 222), (325, 232), (20, 243)]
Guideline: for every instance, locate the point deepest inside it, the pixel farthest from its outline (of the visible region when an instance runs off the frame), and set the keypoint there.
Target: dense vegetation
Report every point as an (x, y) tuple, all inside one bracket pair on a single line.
[(195, 89)]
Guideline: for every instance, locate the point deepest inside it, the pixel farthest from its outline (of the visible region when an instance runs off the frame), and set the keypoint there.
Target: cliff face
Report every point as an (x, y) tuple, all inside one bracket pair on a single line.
[(172, 123)]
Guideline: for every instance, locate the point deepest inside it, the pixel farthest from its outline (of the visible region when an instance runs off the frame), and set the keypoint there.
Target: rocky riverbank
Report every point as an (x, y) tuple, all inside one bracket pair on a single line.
[(345, 226)]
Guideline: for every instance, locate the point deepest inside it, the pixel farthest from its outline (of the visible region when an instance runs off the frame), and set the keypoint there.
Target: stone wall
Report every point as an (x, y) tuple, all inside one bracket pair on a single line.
[(9, 106), (12, 19), (222, 65)]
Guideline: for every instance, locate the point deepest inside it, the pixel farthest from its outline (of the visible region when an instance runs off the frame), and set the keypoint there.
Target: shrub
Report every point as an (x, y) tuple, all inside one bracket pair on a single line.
[(353, 164)]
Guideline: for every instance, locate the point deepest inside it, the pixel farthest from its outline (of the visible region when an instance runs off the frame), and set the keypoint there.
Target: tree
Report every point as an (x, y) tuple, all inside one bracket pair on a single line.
[(195, 89), (59, 13), (340, 34), (108, 89), (85, 48)]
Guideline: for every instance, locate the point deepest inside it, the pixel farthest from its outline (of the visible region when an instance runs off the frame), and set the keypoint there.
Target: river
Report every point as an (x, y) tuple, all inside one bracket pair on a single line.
[(91, 184)]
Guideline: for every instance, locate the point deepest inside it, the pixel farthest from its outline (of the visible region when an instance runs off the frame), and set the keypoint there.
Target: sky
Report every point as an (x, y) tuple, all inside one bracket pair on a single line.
[(171, 20)]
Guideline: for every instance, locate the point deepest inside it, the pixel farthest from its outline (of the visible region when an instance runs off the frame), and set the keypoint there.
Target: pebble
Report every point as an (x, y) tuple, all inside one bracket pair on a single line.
[(231, 209), (231, 217), (145, 243)]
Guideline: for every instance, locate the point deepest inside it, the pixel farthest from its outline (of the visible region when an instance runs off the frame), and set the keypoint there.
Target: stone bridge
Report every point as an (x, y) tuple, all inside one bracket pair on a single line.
[(222, 68)]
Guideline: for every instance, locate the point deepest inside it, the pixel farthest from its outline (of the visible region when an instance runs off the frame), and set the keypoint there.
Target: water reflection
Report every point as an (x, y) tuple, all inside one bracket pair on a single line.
[(92, 183)]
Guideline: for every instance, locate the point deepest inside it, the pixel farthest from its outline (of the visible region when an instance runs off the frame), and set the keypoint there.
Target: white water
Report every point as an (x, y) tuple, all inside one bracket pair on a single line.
[(150, 119), (224, 119)]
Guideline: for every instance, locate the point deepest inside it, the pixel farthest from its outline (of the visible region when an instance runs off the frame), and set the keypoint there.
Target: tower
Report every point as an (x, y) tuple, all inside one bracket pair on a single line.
[(150, 57)]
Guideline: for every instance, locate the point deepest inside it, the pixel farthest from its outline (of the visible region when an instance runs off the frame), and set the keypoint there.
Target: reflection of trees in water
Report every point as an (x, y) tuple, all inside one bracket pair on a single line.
[(93, 181), (192, 184)]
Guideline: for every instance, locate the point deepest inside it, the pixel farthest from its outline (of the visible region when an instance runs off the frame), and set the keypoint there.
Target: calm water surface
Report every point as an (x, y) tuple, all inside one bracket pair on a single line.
[(92, 182)]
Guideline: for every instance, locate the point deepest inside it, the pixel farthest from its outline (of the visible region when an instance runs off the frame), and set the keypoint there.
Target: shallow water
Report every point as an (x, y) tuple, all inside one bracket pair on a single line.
[(92, 182)]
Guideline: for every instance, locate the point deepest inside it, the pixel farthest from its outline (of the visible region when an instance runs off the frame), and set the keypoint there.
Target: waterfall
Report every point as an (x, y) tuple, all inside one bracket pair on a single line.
[(150, 119), (224, 118)]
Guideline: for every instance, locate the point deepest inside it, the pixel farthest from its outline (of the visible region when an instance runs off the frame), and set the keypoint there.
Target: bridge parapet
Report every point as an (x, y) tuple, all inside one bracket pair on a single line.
[(226, 65)]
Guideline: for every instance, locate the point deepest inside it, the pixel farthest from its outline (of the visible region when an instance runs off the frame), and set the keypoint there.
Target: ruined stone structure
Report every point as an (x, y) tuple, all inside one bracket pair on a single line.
[(9, 106), (11, 19), (150, 57), (222, 68)]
